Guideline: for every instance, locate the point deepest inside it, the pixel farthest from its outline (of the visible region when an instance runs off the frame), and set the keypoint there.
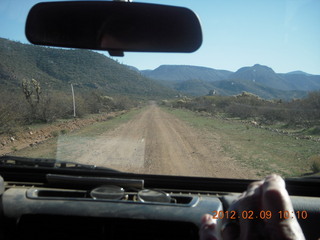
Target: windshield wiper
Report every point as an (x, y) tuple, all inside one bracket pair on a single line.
[(48, 163)]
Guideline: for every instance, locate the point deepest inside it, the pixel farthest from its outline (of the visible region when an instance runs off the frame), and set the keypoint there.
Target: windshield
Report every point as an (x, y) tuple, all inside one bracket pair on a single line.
[(245, 105)]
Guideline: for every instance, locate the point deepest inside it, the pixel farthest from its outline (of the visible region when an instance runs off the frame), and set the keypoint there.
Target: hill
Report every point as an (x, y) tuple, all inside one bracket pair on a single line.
[(258, 79), (232, 87), (58, 68), (299, 72), (260, 74), (302, 81), (179, 73), (296, 80), (235, 87)]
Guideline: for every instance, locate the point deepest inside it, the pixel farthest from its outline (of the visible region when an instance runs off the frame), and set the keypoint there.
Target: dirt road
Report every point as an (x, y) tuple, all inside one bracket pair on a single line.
[(155, 142)]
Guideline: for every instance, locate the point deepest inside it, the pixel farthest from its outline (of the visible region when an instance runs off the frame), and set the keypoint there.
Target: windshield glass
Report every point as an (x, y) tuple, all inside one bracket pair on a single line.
[(245, 105)]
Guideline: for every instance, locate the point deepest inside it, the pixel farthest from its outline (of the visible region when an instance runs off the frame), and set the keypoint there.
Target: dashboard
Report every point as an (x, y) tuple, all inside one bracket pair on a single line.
[(60, 208)]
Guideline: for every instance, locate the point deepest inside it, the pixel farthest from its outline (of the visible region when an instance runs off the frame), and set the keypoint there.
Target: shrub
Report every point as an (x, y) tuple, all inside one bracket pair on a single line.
[(11, 112), (123, 103), (243, 111), (315, 130), (55, 133), (64, 131), (315, 163)]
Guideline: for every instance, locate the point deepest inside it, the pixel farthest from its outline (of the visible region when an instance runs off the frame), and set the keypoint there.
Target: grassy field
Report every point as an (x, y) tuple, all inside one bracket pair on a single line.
[(266, 151), (48, 149)]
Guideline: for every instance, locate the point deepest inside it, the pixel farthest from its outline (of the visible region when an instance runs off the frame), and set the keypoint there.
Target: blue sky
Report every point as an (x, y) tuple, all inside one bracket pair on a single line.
[(282, 34)]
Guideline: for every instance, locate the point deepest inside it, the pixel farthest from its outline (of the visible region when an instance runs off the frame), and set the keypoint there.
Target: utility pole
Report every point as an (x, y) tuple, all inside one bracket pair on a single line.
[(74, 102)]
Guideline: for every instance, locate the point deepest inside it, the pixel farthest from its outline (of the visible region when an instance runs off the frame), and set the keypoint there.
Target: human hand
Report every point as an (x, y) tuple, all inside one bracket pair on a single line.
[(269, 194)]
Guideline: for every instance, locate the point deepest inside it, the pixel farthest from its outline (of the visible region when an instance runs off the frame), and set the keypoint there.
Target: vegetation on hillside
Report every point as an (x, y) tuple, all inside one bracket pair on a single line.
[(56, 69), (35, 84), (231, 87), (21, 108), (304, 113)]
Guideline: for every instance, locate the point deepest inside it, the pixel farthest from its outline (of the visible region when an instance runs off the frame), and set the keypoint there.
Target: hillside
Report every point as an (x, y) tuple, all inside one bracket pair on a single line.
[(296, 80), (301, 80), (87, 70), (232, 87), (179, 73), (193, 87), (258, 79), (261, 74), (58, 68)]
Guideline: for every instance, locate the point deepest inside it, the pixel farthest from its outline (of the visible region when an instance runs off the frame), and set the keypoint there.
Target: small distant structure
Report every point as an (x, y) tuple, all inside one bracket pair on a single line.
[(212, 92)]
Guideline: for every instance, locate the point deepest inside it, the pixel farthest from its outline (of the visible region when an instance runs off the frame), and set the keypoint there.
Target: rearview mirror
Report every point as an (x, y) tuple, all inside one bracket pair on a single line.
[(114, 26)]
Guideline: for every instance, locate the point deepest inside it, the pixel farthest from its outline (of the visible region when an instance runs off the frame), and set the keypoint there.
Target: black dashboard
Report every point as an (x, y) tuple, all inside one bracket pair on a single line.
[(60, 208)]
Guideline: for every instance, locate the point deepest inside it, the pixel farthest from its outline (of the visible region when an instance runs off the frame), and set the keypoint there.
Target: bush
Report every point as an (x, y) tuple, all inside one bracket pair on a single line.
[(298, 112), (55, 133), (7, 120), (11, 111), (124, 103), (21, 106), (64, 131), (53, 106), (315, 130), (315, 163), (243, 111)]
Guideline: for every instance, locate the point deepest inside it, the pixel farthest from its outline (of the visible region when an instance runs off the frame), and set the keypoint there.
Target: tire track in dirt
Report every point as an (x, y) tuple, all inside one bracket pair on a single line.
[(156, 142)]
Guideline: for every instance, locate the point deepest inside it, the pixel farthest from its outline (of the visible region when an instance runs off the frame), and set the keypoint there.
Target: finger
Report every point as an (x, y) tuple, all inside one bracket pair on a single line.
[(249, 189), (275, 195), (249, 199), (208, 228), (251, 206), (248, 203), (275, 198), (253, 188)]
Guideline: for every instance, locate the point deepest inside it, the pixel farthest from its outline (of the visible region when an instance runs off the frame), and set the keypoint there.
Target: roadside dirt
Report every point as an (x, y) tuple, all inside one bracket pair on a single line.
[(155, 142), (33, 137)]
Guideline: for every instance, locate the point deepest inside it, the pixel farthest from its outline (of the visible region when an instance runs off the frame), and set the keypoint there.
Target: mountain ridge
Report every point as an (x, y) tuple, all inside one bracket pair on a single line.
[(257, 78), (57, 68), (181, 72)]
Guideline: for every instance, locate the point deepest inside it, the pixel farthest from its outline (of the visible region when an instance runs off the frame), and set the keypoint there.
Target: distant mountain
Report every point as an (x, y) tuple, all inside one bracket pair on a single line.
[(296, 80), (258, 79), (193, 87), (133, 68), (302, 81), (261, 74), (299, 72), (179, 73), (58, 68), (87, 70)]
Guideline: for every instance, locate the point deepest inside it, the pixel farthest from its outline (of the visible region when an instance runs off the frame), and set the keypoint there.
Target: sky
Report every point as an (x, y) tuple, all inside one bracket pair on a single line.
[(281, 34)]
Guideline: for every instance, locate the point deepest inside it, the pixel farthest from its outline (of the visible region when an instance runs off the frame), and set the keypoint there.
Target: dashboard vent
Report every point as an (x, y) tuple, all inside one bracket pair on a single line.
[(63, 194)]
